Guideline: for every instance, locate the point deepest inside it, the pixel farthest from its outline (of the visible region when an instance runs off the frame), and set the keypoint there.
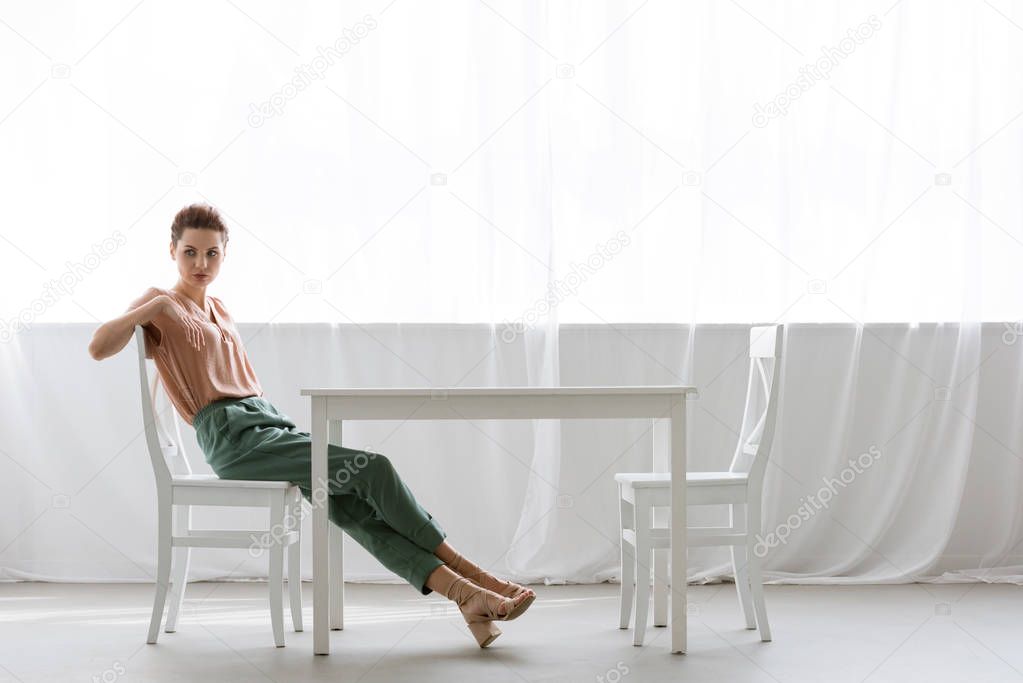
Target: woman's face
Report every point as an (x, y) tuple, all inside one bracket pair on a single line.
[(199, 253)]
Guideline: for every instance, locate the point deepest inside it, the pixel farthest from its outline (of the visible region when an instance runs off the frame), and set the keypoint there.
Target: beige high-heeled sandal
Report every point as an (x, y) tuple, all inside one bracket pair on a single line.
[(481, 626), (511, 590)]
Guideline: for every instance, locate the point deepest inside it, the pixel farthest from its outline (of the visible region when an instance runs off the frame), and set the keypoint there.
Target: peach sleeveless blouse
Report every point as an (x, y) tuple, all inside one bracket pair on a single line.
[(195, 377)]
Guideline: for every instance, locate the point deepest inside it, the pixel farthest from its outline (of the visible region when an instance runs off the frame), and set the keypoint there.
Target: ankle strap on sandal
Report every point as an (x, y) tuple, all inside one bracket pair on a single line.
[(462, 595)]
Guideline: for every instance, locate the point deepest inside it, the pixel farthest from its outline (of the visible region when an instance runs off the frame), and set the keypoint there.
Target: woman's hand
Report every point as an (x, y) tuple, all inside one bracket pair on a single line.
[(177, 312)]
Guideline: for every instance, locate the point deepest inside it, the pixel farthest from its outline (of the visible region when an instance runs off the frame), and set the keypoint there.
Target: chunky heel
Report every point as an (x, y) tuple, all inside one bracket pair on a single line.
[(482, 626), (484, 631)]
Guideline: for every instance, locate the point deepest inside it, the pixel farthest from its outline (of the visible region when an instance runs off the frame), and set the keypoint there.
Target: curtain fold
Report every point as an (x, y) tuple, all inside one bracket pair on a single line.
[(940, 502)]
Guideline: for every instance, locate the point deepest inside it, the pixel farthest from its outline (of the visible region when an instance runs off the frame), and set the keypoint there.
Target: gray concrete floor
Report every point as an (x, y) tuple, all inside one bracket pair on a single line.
[(916, 632)]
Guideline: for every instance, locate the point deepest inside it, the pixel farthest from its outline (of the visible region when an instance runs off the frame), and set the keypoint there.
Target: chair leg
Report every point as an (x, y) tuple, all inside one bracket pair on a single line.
[(627, 596), (295, 564), (179, 572), (661, 587), (182, 558), (740, 570), (756, 577), (628, 559), (276, 579), (643, 553), (740, 567), (163, 570), (336, 544)]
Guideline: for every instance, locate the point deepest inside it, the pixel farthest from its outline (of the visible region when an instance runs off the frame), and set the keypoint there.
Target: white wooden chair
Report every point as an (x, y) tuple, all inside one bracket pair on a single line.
[(741, 488), (176, 485)]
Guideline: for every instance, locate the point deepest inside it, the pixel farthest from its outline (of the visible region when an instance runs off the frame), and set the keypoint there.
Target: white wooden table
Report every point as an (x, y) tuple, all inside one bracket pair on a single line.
[(332, 405)]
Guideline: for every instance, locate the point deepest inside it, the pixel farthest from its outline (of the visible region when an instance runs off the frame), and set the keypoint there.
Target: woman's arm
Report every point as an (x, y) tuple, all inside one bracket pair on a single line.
[(114, 335)]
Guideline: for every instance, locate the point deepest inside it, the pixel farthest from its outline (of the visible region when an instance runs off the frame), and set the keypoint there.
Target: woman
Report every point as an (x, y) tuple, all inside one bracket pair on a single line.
[(200, 357)]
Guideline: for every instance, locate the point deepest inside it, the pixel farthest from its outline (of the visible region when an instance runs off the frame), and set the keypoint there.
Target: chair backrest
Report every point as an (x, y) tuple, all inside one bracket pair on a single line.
[(163, 445), (759, 416)]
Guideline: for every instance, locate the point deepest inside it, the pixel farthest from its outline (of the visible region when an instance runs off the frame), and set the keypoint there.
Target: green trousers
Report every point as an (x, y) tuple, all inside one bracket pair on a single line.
[(248, 438)]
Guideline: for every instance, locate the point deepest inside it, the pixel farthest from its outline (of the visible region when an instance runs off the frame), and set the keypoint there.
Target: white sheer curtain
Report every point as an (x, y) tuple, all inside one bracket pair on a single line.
[(492, 193)]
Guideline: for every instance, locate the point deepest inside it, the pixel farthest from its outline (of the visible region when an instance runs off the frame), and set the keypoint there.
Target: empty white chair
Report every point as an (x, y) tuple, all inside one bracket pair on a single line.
[(741, 488), (184, 489)]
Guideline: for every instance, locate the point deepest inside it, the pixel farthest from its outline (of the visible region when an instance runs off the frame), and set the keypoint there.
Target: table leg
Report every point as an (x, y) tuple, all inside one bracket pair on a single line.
[(678, 525), (336, 555), (662, 519), (321, 551)]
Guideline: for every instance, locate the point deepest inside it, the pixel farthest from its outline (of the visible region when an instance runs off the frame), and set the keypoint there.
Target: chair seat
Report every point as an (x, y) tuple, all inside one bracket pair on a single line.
[(655, 480), (213, 480)]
